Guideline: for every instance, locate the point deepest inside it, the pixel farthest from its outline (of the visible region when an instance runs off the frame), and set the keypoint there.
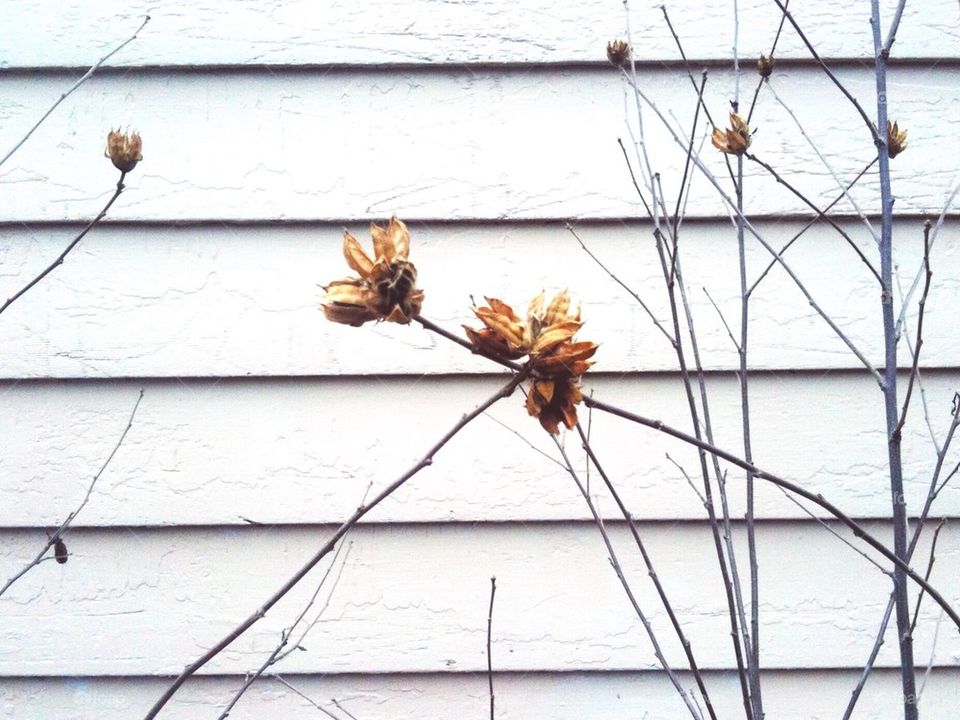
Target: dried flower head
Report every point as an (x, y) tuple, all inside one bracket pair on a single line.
[(734, 140), (123, 150), (387, 286), (896, 139), (618, 52), (546, 337), (765, 66)]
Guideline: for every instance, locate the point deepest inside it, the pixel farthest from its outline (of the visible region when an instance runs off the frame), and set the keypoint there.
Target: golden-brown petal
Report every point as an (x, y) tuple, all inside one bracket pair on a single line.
[(399, 237), (383, 249), (501, 307), (503, 326), (544, 388), (535, 308), (356, 258), (557, 309), (556, 334)]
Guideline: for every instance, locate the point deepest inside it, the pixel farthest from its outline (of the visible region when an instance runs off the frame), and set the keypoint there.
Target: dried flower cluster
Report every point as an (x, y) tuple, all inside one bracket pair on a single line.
[(765, 66), (735, 139), (124, 150), (387, 286), (618, 52), (556, 362), (896, 139)]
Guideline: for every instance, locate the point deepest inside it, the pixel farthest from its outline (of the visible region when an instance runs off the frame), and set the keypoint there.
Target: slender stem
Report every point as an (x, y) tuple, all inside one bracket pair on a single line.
[(71, 246), (493, 592), (618, 569), (342, 530), (769, 248), (818, 499), (665, 601), (924, 513), (915, 369), (673, 278), (622, 284), (773, 51), (829, 73), (58, 534), (810, 224), (63, 96), (926, 575), (902, 599), (894, 26), (820, 213), (754, 647), (278, 652)]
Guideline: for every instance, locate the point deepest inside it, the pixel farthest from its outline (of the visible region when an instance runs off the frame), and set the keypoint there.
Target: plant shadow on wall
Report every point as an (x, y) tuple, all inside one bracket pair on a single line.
[(542, 356)]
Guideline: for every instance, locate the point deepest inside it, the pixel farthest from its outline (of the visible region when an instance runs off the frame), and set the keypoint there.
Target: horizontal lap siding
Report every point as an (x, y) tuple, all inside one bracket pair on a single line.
[(205, 32), (238, 301), (275, 143), (801, 695), (414, 598), (304, 451), (487, 126)]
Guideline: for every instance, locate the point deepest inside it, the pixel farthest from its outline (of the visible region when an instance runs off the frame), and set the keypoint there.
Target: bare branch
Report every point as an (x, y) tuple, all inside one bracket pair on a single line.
[(71, 246), (57, 536), (858, 530), (493, 592), (86, 76), (424, 462)]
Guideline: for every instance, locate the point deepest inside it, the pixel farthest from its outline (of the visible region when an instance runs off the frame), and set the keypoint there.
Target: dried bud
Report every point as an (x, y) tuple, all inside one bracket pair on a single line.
[(896, 139), (618, 52), (765, 66), (734, 140), (60, 551), (123, 150)]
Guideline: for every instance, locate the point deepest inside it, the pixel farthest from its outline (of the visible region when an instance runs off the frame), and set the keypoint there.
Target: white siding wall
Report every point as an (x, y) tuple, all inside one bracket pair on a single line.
[(267, 126)]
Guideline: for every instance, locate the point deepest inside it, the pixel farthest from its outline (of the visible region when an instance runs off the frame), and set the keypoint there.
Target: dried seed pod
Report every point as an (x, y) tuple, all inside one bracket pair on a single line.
[(618, 52), (60, 551), (896, 139), (124, 150), (765, 66)]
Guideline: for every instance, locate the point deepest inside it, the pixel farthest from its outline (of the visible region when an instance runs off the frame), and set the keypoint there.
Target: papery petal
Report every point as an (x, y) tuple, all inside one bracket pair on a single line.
[(501, 307), (544, 388), (556, 334), (383, 249), (356, 258), (557, 310), (399, 237), (535, 308)]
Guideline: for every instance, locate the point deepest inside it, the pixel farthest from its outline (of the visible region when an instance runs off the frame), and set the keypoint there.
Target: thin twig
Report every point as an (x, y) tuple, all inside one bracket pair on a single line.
[(818, 499), (618, 569), (924, 512), (918, 343), (71, 246), (622, 284), (753, 231), (686, 477), (687, 648), (276, 656), (894, 25), (63, 96), (840, 86), (342, 709), (826, 163), (306, 697), (820, 214), (722, 319), (933, 238), (58, 534), (361, 511), (926, 575), (810, 224), (773, 52), (493, 592)]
